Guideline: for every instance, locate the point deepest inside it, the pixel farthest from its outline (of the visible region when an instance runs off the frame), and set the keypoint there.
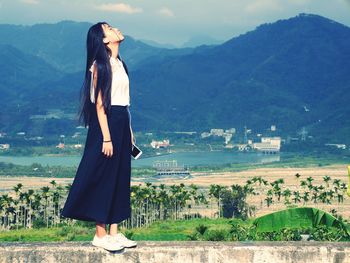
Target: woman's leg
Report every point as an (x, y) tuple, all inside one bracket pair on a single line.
[(100, 229), (113, 229)]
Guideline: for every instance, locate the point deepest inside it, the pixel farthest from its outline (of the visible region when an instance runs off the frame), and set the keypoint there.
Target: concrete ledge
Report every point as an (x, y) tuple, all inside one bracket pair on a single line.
[(179, 252)]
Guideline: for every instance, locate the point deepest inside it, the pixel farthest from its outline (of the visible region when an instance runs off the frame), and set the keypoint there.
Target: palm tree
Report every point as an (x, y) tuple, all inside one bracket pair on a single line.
[(315, 194), (296, 197), (163, 198), (261, 181), (306, 197), (215, 191), (17, 208), (309, 182), (29, 200), (46, 194), (286, 193), (326, 179), (6, 205), (18, 188), (183, 198), (303, 183), (269, 199), (276, 188), (297, 175), (201, 199), (194, 196)]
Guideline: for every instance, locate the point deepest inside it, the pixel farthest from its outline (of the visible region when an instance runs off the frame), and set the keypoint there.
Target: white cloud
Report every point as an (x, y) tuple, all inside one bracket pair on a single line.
[(166, 12), (120, 8), (30, 2), (261, 6)]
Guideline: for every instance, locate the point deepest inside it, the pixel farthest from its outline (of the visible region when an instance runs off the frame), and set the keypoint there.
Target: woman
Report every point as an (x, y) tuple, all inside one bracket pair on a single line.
[(100, 191)]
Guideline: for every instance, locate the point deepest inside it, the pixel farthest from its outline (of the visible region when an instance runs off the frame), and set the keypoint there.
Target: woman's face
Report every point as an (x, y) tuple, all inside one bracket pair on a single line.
[(112, 34)]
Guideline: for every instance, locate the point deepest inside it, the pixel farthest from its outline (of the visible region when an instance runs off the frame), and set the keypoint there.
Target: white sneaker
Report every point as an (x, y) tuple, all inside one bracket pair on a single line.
[(123, 240), (106, 242)]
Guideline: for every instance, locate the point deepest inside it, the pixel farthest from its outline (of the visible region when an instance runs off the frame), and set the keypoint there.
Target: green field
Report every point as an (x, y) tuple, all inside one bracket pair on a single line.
[(84, 231), (181, 230)]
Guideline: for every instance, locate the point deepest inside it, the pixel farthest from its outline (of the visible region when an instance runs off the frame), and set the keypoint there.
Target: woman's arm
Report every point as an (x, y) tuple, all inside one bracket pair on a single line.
[(131, 132), (102, 118)]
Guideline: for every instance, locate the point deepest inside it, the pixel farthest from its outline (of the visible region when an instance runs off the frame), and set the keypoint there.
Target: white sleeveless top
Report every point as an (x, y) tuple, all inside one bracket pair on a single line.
[(120, 84)]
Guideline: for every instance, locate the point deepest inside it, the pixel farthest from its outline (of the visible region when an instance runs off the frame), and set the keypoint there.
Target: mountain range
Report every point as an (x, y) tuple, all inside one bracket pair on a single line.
[(292, 73)]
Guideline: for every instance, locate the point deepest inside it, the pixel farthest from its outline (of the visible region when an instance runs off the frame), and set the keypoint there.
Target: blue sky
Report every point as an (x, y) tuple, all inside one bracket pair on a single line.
[(171, 22)]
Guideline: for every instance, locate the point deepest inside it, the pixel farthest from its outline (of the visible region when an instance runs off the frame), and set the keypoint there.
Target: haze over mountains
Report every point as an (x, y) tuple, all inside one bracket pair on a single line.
[(292, 73)]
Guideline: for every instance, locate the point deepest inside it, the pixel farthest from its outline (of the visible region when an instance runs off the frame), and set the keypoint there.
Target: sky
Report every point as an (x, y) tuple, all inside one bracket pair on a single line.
[(171, 22)]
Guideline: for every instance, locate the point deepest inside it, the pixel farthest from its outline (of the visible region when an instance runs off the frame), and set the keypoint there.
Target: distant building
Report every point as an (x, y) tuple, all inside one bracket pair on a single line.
[(4, 146), (205, 135), (36, 138), (60, 145), (76, 134), (227, 134), (231, 130), (339, 146), (184, 132), (160, 144), (229, 146), (227, 137), (268, 144), (217, 132)]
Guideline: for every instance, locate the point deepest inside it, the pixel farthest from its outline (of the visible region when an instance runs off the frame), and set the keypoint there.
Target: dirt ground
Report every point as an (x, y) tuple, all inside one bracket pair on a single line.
[(224, 178)]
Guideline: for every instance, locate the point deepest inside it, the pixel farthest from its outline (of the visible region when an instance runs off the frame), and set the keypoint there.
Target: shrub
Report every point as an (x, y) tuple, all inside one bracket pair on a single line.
[(201, 229), (324, 233), (39, 223), (215, 235)]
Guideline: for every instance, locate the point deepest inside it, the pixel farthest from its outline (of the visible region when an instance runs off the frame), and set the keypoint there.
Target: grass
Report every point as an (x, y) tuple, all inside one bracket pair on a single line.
[(63, 233), (167, 230)]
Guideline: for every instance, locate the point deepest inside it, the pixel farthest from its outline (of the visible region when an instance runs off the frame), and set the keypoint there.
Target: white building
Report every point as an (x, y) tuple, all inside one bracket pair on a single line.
[(217, 132), (160, 144), (227, 137), (268, 144), (231, 130), (4, 146), (339, 146), (205, 134)]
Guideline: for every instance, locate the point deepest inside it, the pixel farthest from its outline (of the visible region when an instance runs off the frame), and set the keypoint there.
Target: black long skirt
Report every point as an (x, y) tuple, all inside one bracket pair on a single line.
[(100, 191)]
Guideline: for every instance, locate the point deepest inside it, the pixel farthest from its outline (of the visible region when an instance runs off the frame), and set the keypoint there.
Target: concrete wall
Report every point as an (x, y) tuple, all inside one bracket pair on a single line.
[(179, 252)]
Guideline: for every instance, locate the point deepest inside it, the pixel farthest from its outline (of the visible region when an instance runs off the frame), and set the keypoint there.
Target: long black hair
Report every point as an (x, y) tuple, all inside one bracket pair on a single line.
[(97, 51)]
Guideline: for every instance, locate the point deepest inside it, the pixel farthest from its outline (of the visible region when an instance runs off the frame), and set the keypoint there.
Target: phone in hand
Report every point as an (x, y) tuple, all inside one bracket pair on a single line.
[(135, 151)]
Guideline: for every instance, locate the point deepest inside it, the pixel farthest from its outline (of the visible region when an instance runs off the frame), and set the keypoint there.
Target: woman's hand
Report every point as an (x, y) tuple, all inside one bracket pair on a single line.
[(107, 148)]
